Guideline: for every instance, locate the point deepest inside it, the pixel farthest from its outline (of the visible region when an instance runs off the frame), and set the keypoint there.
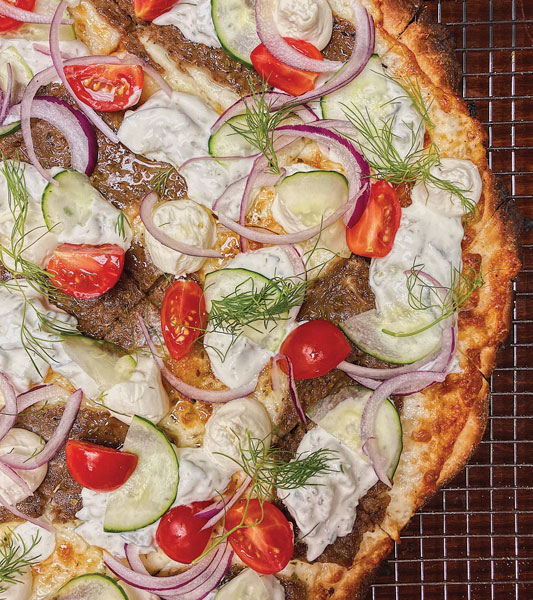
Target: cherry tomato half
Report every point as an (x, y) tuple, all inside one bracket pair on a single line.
[(148, 10), (374, 233), (182, 317), (86, 271), (106, 87), (267, 543), (97, 467), (314, 348), (7, 23), (179, 533), (289, 79)]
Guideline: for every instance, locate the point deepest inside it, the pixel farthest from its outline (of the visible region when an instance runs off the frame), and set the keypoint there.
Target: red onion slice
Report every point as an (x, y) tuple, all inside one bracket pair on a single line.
[(8, 414), (226, 506), (26, 16), (15, 478), (58, 438), (190, 391), (292, 384), (25, 517), (132, 552), (6, 99), (392, 386), (279, 48), (41, 393), (146, 213)]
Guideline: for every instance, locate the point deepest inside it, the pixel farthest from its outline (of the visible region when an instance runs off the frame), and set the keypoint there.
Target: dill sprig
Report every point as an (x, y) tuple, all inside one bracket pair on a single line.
[(160, 181), (425, 295), (376, 141), (120, 228), (413, 92), (261, 119), (15, 556)]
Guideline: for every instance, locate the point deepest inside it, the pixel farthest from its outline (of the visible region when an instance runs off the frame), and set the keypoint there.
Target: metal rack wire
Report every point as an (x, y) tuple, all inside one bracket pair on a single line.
[(474, 541)]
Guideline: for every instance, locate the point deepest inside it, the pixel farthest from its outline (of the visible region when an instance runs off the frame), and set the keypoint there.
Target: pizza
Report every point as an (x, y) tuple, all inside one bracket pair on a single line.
[(254, 273)]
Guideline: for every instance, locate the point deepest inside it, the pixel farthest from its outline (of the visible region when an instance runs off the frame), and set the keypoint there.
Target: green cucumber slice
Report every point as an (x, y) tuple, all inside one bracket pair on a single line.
[(230, 282), (9, 129), (307, 194), (248, 584), (366, 332), (104, 362), (22, 73), (93, 586), (152, 488), (234, 22), (226, 142), (368, 91), (41, 32), (340, 415)]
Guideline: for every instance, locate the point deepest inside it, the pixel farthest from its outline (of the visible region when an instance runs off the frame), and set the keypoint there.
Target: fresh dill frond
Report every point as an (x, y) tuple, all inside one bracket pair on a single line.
[(160, 181), (425, 295), (261, 119), (15, 556), (120, 228), (413, 92), (376, 141)]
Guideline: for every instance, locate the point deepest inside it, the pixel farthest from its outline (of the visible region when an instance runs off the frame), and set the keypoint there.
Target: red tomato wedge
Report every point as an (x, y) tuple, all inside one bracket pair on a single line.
[(267, 543), (148, 10), (314, 348), (86, 271), (183, 316), (106, 87), (7, 23), (374, 233), (99, 468), (289, 79), (179, 533)]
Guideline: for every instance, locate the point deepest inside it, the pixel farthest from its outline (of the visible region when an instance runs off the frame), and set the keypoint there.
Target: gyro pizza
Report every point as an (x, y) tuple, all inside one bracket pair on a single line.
[(254, 273)]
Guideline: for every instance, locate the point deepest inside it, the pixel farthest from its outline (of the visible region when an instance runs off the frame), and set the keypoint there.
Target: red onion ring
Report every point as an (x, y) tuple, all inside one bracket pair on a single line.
[(6, 100), (41, 393), (226, 506), (16, 478), (146, 213), (268, 34), (190, 391), (292, 385), (24, 517), (26, 16), (372, 406), (132, 552), (9, 413), (54, 443)]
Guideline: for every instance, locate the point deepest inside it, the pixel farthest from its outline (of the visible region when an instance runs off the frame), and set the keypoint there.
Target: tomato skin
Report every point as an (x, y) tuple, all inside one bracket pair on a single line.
[(106, 87), (178, 533), (266, 547), (7, 23), (289, 79), (373, 235), (183, 304), (314, 348), (99, 468), (86, 271), (148, 10)]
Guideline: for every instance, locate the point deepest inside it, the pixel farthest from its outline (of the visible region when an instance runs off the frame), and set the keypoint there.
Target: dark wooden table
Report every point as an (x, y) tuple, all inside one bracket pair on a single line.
[(475, 539)]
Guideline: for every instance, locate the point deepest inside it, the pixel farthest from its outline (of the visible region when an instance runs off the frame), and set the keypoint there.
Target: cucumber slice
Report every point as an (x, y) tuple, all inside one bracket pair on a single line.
[(226, 142), (41, 32), (368, 91), (22, 73), (93, 586), (105, 363), (234, 22), (340, 415), (152, 488), (230, 282), (248, 584), (366, 332), (9, 129)]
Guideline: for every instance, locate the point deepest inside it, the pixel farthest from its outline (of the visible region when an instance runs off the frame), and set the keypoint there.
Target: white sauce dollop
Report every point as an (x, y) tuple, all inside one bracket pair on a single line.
[(309, 20), (27, 533), (325, 508), (228, 429), (249, 585), (169, 129), (25, 444), (21, 589), (184, 221), (193, 19)]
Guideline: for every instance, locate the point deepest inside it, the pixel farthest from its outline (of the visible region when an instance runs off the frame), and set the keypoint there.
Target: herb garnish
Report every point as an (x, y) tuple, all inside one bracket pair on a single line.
[(120, 228), (160, 181), (15, 557), (424, 295)]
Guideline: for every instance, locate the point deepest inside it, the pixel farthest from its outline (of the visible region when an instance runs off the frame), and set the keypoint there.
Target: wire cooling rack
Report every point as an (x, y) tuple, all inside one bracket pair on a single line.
[(474, 540)]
